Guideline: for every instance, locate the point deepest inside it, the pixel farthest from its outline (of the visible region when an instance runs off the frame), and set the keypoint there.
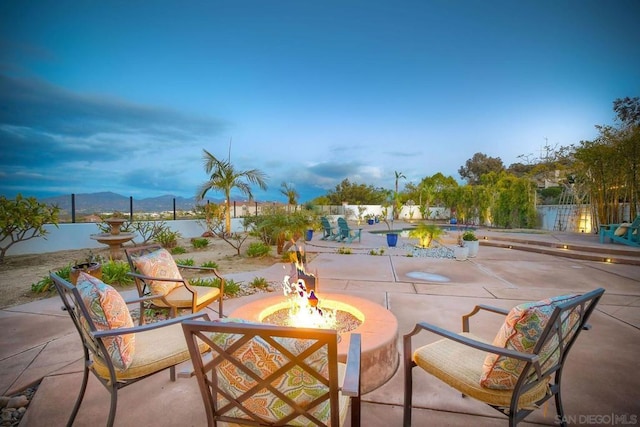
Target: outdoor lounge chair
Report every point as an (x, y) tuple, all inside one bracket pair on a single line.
[(328, 232), (625, 233), (297, 379), (115, 351), (348, 234), (520, 370), (156, 273)]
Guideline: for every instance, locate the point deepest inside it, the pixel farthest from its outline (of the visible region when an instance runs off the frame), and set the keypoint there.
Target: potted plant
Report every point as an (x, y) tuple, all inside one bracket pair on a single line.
[(91, 266), (461, 252), (369, 218), (392, 236), (470, 240)]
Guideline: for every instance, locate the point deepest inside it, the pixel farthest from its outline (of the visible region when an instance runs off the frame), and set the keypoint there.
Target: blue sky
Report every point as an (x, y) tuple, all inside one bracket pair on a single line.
[(123, 96)]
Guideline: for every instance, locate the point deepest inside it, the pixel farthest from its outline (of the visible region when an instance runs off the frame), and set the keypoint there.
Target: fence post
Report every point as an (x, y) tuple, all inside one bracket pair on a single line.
[(130, 208), (174, 208), (73, 208)]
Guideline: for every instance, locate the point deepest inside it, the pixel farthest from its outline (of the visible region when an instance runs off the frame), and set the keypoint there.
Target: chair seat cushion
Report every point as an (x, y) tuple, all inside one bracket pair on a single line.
[(521, 331), (107, 311), (181, 297), (156, 349), (159, 263), (622, 229), (460, 366)]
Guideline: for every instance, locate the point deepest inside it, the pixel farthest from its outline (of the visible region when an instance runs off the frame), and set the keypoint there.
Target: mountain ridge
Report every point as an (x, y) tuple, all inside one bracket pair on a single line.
[(108, 201)]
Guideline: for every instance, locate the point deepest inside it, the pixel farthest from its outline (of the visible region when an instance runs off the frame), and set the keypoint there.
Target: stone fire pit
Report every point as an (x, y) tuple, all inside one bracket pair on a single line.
[(379, 331)]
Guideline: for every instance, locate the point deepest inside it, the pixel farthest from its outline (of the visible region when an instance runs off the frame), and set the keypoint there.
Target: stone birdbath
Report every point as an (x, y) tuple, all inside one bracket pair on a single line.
[(115, 238)]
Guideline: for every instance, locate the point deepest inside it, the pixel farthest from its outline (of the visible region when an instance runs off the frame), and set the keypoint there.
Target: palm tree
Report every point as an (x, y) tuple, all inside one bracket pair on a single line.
[(224, 177), (396, 196), (290, 193)]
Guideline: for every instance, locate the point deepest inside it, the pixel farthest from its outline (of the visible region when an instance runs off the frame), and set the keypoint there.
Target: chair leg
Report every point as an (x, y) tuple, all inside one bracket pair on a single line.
[(408, 390), (114, 405), (83, 388), (558, 399)]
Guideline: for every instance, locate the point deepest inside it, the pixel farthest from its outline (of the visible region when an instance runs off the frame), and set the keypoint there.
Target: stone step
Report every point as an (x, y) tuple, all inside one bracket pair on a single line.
[(589, 253)]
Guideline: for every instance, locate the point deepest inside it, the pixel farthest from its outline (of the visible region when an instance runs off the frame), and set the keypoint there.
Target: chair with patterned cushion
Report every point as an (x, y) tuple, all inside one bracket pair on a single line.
[(519, 370), (115, 351), (156, 273), (273, 375)]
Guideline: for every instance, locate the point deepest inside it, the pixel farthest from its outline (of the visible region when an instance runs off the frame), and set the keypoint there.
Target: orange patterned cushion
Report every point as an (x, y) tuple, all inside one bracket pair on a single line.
[(261, 358), (521, 331), (108, 311), (159, 263)]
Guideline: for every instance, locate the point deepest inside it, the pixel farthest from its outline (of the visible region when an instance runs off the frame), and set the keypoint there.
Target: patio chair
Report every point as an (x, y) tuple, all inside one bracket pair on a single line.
[(274, 375), (348, 234), (625, 233), (328, 232), (115, 351), (156, 273), (516, 373)]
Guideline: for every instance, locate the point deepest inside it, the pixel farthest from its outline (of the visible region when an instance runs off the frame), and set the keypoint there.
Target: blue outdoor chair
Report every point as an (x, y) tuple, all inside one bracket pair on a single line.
[(347, 234)]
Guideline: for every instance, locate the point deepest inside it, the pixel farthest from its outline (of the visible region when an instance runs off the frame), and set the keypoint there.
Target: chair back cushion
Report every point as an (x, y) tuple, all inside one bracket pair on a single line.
[(107, 311), (159, 263), (263, 360), (521, 331)]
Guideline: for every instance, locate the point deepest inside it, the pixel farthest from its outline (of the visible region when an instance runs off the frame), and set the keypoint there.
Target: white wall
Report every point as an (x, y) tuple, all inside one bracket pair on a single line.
[(77, 236)]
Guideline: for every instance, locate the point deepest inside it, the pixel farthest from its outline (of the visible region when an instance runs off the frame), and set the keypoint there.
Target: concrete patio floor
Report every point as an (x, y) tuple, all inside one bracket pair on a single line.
[(601, 377)]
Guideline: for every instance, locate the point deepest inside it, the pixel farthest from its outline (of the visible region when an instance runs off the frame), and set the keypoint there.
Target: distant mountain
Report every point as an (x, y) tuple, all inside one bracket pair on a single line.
[(89, 203)]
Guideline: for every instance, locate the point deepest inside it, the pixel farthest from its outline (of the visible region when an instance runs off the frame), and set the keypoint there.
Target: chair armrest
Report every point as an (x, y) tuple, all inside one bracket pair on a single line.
[(477, 309), (351, 383), (489, 348), (193, 267), (161, 279), (150, 326)]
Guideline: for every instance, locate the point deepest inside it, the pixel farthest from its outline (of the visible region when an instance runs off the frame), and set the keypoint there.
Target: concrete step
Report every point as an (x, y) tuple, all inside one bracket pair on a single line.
[(602, 253)]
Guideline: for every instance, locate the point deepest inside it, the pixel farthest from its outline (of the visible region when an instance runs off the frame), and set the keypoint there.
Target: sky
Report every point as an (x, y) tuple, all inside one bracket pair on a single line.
[(124, 96)]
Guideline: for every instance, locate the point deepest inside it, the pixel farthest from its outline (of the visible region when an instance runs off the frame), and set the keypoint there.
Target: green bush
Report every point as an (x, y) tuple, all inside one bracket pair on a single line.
[(259, 283), (115, 272), (167, 238), (178, 250), (231, 288), (46, 283), (344, 251), (187, 261), (200, 243), (209, 264), (258, 249), (212, 282)]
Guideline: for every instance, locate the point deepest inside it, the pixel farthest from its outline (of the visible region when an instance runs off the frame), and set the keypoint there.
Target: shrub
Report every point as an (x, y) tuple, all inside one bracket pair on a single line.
[(178, 250), (231, 288), (115, 272), (209, 264), (469, 236), (200, 243), (187, 261), (344, 251), (167, 238), (46, 283), (259, 283), (212, 282), (258, 249)]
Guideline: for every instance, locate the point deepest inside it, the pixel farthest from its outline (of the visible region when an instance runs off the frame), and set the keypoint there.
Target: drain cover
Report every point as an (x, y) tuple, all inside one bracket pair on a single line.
[(429, 277)]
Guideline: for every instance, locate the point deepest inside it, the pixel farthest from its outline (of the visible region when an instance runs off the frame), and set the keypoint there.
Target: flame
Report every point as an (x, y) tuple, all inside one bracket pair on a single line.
[(305, 309)]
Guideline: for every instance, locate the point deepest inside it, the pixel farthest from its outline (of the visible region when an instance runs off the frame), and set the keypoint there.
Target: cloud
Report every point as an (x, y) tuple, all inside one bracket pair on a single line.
[(54, 138)]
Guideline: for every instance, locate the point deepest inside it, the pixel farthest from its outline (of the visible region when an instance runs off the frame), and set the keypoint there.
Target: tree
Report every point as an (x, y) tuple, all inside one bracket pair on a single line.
[(23, 219), (479, 165), (290, 193), (355, 194), (224, 177), (396, 195)]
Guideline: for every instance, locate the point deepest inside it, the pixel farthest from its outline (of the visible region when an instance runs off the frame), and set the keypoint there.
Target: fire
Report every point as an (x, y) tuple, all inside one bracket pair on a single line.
[(305, 310)]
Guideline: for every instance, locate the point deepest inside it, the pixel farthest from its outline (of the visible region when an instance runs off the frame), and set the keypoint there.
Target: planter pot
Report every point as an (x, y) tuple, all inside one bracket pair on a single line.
[(376, 220), (92, 268), (473, 246), (370, 221), (461, 253), (392, 239), (309, 235)]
